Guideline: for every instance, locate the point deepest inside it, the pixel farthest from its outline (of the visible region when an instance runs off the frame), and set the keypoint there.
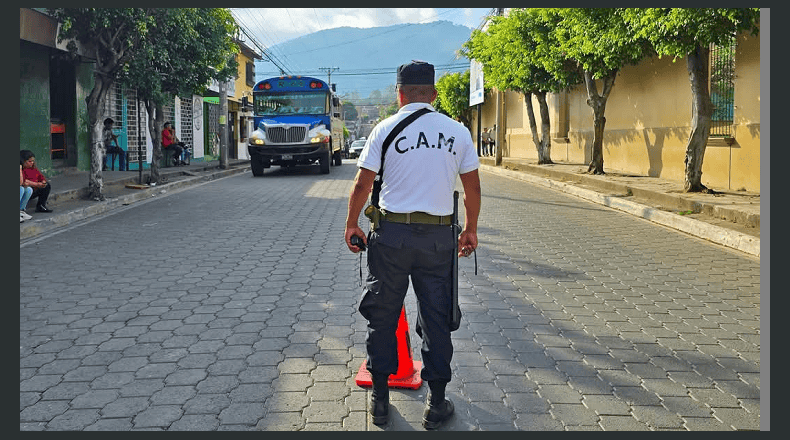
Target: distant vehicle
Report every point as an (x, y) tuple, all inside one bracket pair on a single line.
[(356, 148), (297, 122)]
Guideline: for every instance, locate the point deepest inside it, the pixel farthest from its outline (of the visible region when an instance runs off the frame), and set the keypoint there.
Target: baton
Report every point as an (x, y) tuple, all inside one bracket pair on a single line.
[(455, 311)]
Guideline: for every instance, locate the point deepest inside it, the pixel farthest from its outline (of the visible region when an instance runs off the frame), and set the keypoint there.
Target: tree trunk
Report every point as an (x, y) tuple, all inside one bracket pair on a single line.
[(533, 126), (94, 102), (156, 118), (544, 152), (598, 104), (701, 114), (542, 142)]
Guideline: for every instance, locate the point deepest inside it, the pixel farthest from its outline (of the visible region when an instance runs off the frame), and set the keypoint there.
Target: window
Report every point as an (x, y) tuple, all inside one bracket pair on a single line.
[(722, 88), (250, 73)]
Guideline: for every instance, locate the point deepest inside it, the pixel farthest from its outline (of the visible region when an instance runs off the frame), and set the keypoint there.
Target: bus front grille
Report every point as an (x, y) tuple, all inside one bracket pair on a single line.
[(286, 135)]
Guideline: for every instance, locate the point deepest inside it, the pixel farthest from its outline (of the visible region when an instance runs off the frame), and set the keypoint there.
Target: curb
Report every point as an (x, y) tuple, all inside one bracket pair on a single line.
[(40, 226), (725, 237)]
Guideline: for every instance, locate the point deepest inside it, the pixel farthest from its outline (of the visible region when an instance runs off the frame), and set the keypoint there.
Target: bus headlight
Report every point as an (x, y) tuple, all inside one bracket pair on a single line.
[(319, 135), (319, 139), (256, 138)]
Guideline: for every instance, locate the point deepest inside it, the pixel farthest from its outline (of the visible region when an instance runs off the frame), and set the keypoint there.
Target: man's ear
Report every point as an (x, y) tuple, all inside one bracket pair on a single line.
[(401, 97)]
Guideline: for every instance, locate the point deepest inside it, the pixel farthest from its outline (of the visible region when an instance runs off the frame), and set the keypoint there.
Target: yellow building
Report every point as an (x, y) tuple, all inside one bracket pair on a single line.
[(648, 121), (240, 116)]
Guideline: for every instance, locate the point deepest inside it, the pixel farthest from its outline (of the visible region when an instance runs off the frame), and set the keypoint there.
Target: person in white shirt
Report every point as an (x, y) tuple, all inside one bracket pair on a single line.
[(413, 237)]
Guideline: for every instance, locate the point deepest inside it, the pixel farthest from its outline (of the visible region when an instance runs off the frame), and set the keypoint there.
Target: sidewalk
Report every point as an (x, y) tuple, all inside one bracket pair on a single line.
[(69, 197), (729, 218)]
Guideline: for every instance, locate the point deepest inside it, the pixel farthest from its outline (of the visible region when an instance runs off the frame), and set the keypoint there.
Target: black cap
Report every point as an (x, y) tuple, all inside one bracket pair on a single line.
[(416, 72)]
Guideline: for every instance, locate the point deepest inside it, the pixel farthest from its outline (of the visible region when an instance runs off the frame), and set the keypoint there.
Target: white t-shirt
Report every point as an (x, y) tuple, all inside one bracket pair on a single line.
[(422, 162)]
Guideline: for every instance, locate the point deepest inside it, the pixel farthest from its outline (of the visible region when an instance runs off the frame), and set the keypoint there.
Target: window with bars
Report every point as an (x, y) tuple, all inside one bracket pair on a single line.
[(186, 135), (722, 87), (122, 106)]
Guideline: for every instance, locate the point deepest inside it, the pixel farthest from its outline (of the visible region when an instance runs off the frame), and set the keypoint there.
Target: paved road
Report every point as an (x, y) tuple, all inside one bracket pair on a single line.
[(232, 306)]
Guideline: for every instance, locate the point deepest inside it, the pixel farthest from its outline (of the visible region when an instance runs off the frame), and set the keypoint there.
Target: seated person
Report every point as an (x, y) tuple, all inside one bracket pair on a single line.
[(24, 195), (34, 179), (170, 143), (109, 139)]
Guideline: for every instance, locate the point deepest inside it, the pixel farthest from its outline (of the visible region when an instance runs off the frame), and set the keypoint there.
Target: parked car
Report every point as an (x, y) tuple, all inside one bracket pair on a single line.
[(356, 148)]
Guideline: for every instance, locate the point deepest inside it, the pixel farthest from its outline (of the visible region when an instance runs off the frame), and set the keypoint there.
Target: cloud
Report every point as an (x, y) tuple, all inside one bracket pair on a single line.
[(275, 25)]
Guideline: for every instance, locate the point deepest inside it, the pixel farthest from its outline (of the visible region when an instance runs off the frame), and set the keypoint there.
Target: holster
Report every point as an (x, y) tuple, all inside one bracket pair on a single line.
[(374, 215)]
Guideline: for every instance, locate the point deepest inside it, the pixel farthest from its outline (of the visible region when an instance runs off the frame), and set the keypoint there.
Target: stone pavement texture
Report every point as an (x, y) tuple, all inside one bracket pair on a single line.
[(69, 197), (729, 218), (588, 319)]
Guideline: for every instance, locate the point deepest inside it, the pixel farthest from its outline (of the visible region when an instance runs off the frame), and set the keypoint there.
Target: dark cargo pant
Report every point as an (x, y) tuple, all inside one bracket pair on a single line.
[(395, 252)]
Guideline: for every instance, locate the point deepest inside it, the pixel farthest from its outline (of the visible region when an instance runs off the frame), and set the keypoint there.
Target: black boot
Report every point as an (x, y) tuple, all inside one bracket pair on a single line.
[(438, 408), (380, 399)]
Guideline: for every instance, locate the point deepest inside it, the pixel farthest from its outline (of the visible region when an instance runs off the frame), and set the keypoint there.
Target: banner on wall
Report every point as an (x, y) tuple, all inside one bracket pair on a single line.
[(475, 83), (197, 126)]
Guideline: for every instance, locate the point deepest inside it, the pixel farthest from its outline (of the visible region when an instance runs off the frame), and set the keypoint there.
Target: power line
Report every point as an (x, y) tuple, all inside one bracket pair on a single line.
[(329, 71), (263, 50)]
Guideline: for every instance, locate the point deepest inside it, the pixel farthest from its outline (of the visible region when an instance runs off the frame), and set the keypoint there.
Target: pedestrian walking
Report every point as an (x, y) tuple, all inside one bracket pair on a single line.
[(411, 211)]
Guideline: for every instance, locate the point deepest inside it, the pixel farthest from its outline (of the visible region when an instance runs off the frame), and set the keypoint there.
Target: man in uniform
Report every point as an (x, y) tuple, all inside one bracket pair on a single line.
[(414, 237)]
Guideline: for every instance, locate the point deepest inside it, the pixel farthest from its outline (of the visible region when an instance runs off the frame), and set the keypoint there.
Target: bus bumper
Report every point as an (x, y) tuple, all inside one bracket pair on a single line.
[(288, 154)]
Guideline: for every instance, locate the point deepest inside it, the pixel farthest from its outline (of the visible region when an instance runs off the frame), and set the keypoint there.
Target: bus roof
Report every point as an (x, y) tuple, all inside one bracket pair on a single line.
[(291, 83)]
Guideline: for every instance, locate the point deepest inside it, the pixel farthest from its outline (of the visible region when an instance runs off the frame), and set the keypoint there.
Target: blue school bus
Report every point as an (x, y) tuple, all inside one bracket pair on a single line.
[(297, 122)]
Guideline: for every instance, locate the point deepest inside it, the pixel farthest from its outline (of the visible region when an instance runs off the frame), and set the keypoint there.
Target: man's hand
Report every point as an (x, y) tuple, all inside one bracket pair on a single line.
[(356, 200), (467, 242), (352, 231)]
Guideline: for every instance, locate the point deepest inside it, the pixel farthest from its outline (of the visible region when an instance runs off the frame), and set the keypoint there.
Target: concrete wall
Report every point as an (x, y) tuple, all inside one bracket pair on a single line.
[(34, 102), (648, 121), (746, 130)]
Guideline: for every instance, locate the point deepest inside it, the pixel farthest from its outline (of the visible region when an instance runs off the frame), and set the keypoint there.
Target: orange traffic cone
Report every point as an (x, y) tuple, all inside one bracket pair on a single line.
[(408, 374)]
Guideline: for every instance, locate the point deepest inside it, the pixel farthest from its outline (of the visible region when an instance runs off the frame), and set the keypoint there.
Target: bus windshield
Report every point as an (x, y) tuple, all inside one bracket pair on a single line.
[(307, 103)]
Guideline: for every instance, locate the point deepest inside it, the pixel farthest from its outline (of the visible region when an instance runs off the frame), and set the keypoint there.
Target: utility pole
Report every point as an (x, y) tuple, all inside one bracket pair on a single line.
[(329, 71), (223, 126), (500, 116)]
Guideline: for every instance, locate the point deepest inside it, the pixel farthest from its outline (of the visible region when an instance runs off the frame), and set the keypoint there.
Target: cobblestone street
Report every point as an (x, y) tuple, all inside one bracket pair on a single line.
[(232, 305)]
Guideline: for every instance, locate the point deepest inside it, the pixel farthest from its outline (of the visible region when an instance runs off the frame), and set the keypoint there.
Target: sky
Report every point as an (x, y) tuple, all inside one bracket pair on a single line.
[(271, 26)]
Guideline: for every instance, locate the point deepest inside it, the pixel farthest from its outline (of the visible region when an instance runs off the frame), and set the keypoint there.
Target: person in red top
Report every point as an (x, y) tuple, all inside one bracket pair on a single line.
[(34, 179), (170, 142)]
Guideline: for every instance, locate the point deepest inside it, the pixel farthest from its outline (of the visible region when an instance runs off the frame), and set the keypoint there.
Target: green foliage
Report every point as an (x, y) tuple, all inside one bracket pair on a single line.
[(677, 32), (187, 48), (349, 110), (159, 51), (598, 39), (518, 53), (388, 111), (111, 34), (453, 96)]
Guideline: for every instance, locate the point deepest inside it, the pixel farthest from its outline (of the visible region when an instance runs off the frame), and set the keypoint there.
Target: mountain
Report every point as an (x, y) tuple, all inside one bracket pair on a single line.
[(367, 59)]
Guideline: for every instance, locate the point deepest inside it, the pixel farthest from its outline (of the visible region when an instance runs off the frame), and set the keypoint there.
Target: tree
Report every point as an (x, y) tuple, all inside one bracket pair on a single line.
[(349, 111), (600, 43), (453, 96), (112, 35), (513, 52), (689, 32), (187, 48), (387, 110)]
